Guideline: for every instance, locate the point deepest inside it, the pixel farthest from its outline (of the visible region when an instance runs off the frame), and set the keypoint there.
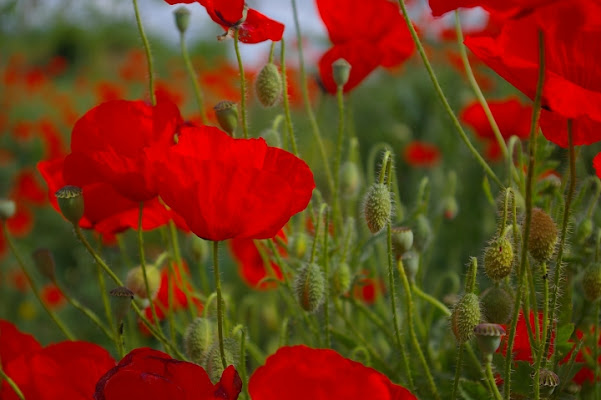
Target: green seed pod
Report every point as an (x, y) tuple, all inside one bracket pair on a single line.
[(272, 137), (200, 249), (341, 281), (268, 85), (410, 262), (548, 381), (402, 241), (498, 259), (543, 236), (465, 317), (70, 201), (214, 366), (198, 339), (377, 207), (227, 116), (44, 262), (341, 70), (489, 338), (310, 287), (584, 231), (182, 19), (8, 208), (422, 233), (591, 282), (350, 180), (135, 281), (121, 298), (497, 305)]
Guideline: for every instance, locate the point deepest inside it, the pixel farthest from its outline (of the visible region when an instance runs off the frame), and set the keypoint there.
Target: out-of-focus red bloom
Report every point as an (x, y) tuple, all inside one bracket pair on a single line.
[(54, 145), (22, 222), (251, 265), (421, 154), (152, 375), (23, 130), (108, 91), (17, 278), (133, 68), (368, 289), (52, 296), (227, 188), (367, 34), (522, 351), (253, 26), (572, 87), (506, 8), (585, 374), (300, 372), (66, 370), (108, 143), (28, 189)]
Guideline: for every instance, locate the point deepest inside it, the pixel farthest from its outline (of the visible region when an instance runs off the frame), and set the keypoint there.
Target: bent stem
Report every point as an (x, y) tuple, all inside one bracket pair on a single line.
[(219, 302), (286, 100), (153, 99), (11, 383), (242, 85), (191, 74)]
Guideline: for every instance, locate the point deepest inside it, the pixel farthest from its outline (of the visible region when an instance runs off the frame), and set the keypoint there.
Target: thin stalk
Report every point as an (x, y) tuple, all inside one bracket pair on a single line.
[(219, 301), (11, 383), (242, 85), (491, 380), (338, 157), (143, 264), (596, 352), (192, 75), (177, 257), (153, 99), (430, 299), (458, 365), (107, 311), (326, 270), (541, 353), (289, 127)]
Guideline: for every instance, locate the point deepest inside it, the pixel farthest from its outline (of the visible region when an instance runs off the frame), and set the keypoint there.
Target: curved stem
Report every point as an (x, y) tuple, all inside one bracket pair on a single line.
[(242, 86), (219, 302), (192, 75), (153, 99), (11, 383), (430, 299), (289, 127)]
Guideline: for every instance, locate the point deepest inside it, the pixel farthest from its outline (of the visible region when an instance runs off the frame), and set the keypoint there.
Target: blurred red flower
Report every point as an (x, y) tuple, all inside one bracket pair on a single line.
[(65, 370), (421, 154), (368, 289), (153, 375), (227, 188), (367, 34), (52, 296), (522, 351), (506, 8), (320, 374), (585, 374)]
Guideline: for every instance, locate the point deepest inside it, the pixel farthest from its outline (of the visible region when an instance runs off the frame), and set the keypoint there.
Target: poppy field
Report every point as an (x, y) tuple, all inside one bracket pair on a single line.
[(401, 207)]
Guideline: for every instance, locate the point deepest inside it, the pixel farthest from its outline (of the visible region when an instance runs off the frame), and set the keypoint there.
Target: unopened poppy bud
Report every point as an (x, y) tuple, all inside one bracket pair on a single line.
[(310, 287), (410, 263), (548, 381), (341, 281), (350, 179), (44, 262), (584, 231), (70, 201), (402, 241), (198, 339), (341, 70), (199, 248), (135, 281), (377, 207), (543, 236), (272, 137), (422, 233), (591, 282), (450, 208), (268, 85), (497, 305), (8, 208), (498, 259), (121, 298), (214, 365), (466, 315), (227, 116), (489, 338), (182, 19)]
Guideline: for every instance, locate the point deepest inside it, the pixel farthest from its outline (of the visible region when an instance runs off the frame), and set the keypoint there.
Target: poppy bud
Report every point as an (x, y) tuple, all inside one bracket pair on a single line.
[(497, 305), (268, 85), (450, 208), (342, 279), (135, 281), (498, 259), (341, 70), (377, 207), (182, 19), (272, 137), (543, 236), (198, 339), (350, 179), (548, 381), (44, 262), (591, 282), (489, 338), (310, 287), (465, 317), (200, 249), (8, 208), (410, 263), (402, 241), (227, 116), (70, 201), (422, 233), (121, 302), (584, 231), (214, 365)]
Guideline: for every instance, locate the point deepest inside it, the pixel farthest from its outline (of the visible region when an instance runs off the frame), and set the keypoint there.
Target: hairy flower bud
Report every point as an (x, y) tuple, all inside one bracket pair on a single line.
[(310, 287), (410, 263), (135, 281), (198, 339), (200, 249), (377, 207), (341, 281), (268, 85), (591, 282), (497, 305), (272, 137), (70, 201), (402, 241), (227, 116), (8, 208), (543, 236), (214, 365), (341, 70), (422, 233), (465, 317), (498, 259), (350, 179)]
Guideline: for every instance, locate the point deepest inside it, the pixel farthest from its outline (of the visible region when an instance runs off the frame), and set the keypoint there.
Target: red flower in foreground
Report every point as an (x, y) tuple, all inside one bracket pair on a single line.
[(367, 34), (66, 370), (522, 351), (421, 154), (153, 375), (300, 372), (253, 26), (572, 87), (505, 7), (227, 188)]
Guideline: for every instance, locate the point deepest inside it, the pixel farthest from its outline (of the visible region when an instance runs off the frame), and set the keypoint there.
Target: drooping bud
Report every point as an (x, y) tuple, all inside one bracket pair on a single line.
[(135, 281), (268, 85), (548, 381), (489, 338), (227, 116), (497, 305), (498, 259), (341, 70), (341, 281), (8, 208), (198, 339), (200, 249), (44, 262), (214, 365), (466, 315), (422, 233), (377, 207), (70, 201), (410, 262), (121, 302), (182, 19), (402, 241), (591, 282), (272, 137), (310, 287), (350, 180), (543, 236)]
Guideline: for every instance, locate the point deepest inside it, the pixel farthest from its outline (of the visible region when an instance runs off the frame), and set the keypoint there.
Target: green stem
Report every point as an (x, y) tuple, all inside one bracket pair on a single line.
[(149, 294), (192, 75), (153, 99), (338, 157), (430, 299), (491, 380), (11, 383), (326, 270), (177, 258), (541, 353), (219, 301), (271, 52), (289, 127), (242, 85), (443, 99), (107, 311), (34, 287), (457, 371)]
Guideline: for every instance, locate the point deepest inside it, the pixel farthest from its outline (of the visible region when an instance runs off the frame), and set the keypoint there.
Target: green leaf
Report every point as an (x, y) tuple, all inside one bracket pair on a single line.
[(521, 379)]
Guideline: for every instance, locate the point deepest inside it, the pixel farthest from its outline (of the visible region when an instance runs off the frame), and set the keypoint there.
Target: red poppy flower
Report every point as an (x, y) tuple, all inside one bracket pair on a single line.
[(504, 7), (52, 296), (152, 375), (251, 265), (28, 189), (585, 374), (366, 34), (66, 370), (108, 142), (421, 154), (572, 87), (522, 351), (368, 289), (300, 372), (227, 188)]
